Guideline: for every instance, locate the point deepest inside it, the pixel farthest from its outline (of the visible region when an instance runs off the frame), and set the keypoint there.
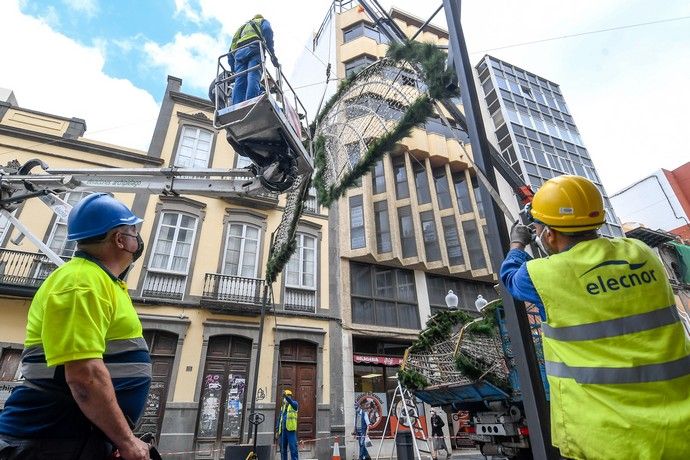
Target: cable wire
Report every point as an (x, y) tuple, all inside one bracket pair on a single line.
[(580, 34)]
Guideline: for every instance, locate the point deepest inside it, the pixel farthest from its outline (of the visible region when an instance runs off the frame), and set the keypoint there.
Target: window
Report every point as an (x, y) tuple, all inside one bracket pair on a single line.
[(58, 235), (442, 188), (357, 64), (383, 296), (407, 240), (383, 229), (466, 290), (431, 246), (311, 202), (242, 251), (462, 192), (243, 162), (474, 245), (172, 249), (399, 171), (478, 196), (301, 269), (452, 240), (10, 370), (194, 150), (357, 237), (378, 179), (422, 183), (363, 30)]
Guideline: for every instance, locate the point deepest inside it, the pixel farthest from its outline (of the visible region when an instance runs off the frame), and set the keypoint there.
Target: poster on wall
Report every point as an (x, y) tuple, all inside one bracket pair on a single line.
[(377, 410), (408, 407), (210, 405), (232, 422)]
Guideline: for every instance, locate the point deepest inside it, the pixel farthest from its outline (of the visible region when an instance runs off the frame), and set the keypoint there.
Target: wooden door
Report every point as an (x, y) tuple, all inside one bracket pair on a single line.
[(297, 371), (162, 347), (223, 396)]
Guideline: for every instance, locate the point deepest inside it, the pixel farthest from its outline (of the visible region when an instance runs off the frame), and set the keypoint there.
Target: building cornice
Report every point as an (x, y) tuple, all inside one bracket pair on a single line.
[(191, 101), (80, 145)]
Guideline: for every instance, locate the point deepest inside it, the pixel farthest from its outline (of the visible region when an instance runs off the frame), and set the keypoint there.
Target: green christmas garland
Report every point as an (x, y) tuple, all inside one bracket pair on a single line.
[(430, 62), (280, 256)]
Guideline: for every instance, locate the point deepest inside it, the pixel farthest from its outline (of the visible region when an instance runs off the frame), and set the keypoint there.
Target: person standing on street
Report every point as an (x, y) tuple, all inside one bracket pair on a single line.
[(439, 440), (616, 355), (361, 432), (287, 426), (85, 362), (245, 53)]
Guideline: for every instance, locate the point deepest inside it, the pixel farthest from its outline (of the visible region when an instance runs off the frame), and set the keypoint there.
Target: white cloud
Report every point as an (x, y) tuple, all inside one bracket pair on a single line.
[(54, 74), (87, 7), (190, 57), (184, 8)]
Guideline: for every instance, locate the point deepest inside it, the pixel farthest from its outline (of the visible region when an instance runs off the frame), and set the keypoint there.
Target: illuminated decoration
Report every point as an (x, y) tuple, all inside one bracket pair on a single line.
[(372, 112)]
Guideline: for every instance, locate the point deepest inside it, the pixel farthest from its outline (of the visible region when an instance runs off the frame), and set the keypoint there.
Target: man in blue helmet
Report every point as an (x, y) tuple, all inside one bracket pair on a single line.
[(86, 365), (245, 53)]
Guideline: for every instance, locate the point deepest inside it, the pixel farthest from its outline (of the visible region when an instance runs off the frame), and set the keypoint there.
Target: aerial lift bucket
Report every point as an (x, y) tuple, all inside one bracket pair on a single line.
[(267, 128)]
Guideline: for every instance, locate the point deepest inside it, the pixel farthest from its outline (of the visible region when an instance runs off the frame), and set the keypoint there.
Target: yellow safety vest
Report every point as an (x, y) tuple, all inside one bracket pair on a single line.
[(617, 359), (290, 421), (246, 33)]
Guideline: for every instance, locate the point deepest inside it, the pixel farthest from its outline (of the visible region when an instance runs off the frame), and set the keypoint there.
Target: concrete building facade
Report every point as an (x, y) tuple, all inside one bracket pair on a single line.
[(410, 232), (533, 130)]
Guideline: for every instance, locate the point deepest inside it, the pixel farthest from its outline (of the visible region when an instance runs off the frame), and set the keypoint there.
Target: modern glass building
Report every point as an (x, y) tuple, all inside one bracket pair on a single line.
[(534, 129)]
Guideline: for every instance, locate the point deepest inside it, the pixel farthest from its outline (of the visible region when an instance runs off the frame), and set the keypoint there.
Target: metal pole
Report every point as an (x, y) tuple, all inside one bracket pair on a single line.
[(532, 389), (264, 302), (433, 15)]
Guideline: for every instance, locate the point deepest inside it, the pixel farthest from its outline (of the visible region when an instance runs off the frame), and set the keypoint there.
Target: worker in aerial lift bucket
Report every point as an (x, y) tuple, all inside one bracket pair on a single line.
[(616, 355), (245, 53), (86, 365)]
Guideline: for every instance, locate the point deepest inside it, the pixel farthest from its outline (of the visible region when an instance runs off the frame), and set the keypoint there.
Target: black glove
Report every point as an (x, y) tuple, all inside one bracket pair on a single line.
[(275, 62), (521, 234)]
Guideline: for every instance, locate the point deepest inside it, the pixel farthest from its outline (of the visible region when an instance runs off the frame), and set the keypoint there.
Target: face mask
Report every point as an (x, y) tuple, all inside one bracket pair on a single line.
[(140, 249), (540, 242)]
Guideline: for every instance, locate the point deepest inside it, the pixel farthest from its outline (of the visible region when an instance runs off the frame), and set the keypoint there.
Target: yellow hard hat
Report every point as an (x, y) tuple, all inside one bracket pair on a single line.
[(287, 392), (568, 204)]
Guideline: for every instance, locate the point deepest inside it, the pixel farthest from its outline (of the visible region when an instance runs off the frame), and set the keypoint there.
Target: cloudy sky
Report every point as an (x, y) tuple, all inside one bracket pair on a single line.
[(623, 65)]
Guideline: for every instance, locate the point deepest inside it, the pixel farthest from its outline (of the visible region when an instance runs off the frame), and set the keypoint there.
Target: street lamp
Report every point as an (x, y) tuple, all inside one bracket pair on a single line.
[(451, 300), (480, 303)]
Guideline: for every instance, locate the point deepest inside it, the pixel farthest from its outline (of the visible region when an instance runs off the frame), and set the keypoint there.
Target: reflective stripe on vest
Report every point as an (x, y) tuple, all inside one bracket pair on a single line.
[(246, 34), (617, 359), (613, 327), (33, 362)]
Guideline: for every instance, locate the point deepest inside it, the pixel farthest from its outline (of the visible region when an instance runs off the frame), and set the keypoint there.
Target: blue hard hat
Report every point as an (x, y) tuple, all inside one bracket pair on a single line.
[(97, 214)]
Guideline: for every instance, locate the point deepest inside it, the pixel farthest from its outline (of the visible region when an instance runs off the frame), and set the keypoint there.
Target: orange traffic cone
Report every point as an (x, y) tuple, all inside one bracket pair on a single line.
[(336, 451)]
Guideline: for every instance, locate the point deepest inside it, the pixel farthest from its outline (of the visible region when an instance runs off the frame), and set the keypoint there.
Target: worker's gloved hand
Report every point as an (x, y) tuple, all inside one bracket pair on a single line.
[(521, 234), (275, 62)]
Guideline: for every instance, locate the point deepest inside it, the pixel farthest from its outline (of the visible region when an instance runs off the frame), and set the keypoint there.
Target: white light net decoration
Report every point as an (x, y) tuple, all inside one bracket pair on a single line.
[(372, 107)]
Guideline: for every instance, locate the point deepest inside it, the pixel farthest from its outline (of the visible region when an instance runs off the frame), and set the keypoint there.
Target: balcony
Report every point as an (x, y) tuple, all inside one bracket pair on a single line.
[(232, 294), (302, 300), (165, 286), (23, 272)]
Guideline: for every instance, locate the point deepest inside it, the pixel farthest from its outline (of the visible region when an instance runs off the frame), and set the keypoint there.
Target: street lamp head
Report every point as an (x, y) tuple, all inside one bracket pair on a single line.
[(480, 303), (451, 299)]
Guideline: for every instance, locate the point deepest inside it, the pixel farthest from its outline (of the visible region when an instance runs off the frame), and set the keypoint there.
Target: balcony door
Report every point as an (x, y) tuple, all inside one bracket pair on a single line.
[(240, 263)]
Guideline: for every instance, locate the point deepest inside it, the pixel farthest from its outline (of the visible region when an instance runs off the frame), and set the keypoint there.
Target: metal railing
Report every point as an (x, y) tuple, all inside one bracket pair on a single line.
[(229, 289), (24, 269), (164, 285), (300, 300)]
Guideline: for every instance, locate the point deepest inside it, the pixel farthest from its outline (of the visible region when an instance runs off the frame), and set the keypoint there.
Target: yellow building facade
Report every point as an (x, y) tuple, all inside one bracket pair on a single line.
[(197, 287)]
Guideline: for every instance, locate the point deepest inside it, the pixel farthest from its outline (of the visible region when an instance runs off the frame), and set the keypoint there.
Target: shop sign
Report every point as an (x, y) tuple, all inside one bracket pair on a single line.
[(383, 360)]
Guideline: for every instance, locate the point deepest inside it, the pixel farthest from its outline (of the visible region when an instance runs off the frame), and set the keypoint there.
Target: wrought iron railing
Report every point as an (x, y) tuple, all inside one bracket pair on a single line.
[(24, 269), (300, 300), (229, 289), (164, 285)]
